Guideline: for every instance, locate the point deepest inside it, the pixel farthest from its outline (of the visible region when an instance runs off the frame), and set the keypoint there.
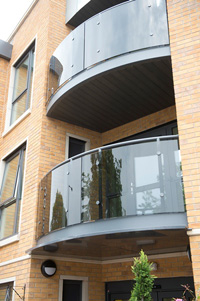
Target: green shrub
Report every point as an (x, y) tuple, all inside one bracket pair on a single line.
[(144, 281)]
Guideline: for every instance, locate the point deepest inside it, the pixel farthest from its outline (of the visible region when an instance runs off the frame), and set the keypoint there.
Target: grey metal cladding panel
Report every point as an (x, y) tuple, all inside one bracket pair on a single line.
[(5, 50), (117, 225), (70, 54), (127, 27)]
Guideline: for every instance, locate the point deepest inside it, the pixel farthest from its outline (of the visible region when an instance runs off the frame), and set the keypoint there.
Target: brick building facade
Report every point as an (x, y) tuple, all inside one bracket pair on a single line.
[(78, 80)]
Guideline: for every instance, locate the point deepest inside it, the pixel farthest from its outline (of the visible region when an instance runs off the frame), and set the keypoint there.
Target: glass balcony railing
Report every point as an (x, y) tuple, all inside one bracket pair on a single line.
[(138, 177)]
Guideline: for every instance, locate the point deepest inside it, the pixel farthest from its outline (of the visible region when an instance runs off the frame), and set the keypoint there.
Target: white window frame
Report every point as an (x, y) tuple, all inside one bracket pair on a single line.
[(16, 236), (8, 126), (76, 278), (12, 279), (68, 135)]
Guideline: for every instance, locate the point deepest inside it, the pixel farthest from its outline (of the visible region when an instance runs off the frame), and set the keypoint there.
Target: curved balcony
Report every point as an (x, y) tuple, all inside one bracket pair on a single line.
[(121, 189), (78, 11), (115, 68)]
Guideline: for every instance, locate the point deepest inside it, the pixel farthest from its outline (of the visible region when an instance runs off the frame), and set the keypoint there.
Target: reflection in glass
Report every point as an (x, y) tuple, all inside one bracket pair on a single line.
[(146, 170), (10, 173), (55, 73), (21, 78), (6, 291), (59, 217), (58, 204), (90, 187), (112, 185), (148, 202), (137, 179), (19, 107), (7, 221)]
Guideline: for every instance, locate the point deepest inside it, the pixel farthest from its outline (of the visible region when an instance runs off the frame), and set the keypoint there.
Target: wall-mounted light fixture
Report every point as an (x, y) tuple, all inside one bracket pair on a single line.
[(145, 242), (48, 268), (154, 266)]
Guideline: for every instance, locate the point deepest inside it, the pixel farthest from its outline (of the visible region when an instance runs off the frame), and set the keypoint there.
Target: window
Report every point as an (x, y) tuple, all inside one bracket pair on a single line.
[(10, 194), (76, 145), (22, 84), (73, 288), (6, 291)]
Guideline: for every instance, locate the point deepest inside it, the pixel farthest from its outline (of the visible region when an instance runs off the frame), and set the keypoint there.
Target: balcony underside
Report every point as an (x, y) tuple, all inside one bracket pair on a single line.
[(116, 91), (117, 238)]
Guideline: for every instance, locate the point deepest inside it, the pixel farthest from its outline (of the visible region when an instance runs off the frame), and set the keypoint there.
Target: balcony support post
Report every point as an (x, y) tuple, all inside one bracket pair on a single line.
[(162, 197), (100, 186)]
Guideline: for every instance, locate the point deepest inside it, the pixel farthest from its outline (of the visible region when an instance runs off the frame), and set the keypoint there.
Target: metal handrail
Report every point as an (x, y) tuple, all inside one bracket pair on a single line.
[(115, 145)]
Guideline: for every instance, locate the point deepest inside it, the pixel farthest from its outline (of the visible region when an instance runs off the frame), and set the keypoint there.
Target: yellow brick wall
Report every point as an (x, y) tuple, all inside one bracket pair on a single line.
[(184, 28), (40, 288), (140, 125), (46, 148), (20, 271)]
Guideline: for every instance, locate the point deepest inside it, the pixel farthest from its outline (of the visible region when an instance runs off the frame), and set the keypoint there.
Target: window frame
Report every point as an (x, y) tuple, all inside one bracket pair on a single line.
[(16, 195), (9, 281), (30, 54)]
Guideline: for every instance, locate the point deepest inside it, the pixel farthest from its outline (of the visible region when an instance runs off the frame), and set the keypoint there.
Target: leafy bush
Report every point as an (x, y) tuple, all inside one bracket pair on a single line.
[(144, 281)]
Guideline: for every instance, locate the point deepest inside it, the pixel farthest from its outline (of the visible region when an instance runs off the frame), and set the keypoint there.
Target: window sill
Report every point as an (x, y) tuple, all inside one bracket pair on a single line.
[(11, 127), (9, 240)]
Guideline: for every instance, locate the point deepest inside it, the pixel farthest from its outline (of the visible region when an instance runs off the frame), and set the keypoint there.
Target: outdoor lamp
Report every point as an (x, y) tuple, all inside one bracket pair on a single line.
[(48, 268)]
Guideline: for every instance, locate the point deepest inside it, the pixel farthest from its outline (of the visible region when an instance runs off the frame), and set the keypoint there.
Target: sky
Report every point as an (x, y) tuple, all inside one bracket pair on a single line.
[(11, 12)]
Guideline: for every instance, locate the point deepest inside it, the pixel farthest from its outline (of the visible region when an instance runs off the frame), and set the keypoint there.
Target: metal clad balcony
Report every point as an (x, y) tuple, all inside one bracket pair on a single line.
[(115, 68), (123, 188), (78, 11)]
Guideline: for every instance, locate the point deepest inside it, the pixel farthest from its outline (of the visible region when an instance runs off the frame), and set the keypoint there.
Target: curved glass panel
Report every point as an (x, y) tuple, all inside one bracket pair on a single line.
[(138, 177)]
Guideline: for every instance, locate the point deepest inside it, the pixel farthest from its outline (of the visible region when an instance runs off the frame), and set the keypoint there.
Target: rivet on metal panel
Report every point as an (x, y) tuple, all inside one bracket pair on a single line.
[(72, 65), (98, 23), (97, 202), (162, 194), (71, 188), (45, 188), (158, 153), (98, 50), (45, 194), (72, 39), (149, 5), (151, 34)]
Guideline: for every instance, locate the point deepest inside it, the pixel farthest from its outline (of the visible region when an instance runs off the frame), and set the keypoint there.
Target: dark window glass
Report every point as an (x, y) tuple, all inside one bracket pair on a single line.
[(72, 290), (76, 147), (175, 130), (10, 194), (22, 85)]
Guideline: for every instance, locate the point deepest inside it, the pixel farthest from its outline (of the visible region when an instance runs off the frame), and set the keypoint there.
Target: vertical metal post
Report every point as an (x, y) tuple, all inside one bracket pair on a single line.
[(100, 186), (161, 180), (44, 208)]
